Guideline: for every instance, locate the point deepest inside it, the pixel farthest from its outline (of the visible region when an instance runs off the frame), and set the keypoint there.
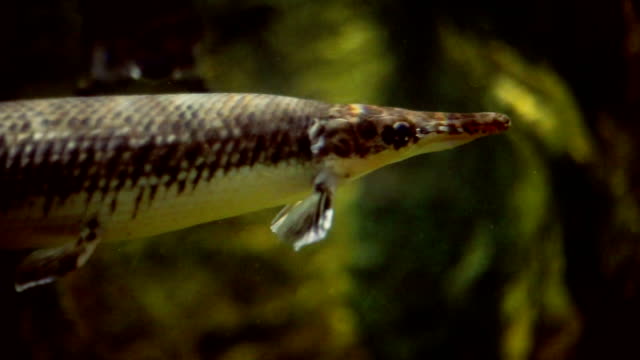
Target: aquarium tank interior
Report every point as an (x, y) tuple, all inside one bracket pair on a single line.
[(521, 245)]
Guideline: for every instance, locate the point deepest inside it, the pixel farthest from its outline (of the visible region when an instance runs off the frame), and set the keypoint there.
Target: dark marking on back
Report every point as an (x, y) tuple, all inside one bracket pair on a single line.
[(153, 189), (86, 151), (114, 204), (276, 148), (137, 201), (181, 186), (304, 146), (228, 155), (199, 170), (192, 152), (258, 150)]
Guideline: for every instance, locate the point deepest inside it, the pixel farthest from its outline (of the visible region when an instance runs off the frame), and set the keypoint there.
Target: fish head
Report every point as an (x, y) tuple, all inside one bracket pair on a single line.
[(423, 132), (357, 139)]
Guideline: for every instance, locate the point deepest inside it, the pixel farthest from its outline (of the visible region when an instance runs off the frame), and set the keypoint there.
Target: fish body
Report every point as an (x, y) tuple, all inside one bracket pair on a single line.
[(74, 171), (144, 165)]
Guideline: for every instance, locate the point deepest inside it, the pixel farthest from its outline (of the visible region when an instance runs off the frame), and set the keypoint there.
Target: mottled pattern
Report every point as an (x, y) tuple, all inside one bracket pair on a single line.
[(99, 146), (54, 148), (363, 130)]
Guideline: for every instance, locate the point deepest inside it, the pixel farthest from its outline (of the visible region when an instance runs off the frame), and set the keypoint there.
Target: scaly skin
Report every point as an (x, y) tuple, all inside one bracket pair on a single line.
[(121, 167), (129, 160)]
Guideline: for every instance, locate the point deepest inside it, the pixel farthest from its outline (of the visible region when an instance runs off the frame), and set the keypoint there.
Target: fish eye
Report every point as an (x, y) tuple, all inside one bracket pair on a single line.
[(401, 126), (403, 130)]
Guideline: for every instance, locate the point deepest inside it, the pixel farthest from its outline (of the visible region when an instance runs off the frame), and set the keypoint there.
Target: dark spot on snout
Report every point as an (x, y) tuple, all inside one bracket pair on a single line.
[(366, 130), (342, 148), (469, 129), (388, 136)]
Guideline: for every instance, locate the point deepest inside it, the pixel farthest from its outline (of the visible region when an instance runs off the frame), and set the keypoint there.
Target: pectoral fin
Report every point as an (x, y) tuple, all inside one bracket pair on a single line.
[(309, 220), (46, 265)]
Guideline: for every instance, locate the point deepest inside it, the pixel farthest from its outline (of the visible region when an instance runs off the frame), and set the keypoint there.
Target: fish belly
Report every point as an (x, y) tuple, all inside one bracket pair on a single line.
[(239, 191)]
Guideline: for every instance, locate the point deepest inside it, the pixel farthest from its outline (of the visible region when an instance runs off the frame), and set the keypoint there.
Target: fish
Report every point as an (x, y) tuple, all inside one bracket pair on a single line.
[(76, 171)]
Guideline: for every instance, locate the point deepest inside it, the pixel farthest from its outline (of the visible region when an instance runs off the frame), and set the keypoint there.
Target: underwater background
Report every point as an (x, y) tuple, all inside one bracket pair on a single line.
[(519, 246)]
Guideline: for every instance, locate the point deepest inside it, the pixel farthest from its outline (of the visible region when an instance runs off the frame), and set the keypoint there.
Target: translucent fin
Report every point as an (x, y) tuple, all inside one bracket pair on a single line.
[(309, 220), (46, 265)]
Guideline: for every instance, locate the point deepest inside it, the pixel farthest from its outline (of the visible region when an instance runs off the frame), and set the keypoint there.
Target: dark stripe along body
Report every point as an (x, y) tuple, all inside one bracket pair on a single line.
[(102, 145)]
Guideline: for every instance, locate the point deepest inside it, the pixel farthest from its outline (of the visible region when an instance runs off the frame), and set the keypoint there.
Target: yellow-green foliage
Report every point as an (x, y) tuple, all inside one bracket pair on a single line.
[(547, 123), (331, 51)]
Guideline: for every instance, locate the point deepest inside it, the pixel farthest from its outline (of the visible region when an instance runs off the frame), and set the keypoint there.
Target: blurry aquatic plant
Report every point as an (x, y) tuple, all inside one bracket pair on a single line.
[(533, 92), (333, 51), (548, 125), (460, 242)]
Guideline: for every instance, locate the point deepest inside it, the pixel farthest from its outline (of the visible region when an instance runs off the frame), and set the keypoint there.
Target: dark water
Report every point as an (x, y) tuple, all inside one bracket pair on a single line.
[(519, 246)]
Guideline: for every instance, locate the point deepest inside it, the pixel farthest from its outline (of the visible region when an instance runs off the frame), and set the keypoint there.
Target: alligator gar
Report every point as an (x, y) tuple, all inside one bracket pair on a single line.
[(77, 171)]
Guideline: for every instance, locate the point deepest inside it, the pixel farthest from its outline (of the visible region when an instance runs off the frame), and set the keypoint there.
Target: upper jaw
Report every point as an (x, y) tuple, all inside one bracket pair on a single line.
[(473, 124)]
